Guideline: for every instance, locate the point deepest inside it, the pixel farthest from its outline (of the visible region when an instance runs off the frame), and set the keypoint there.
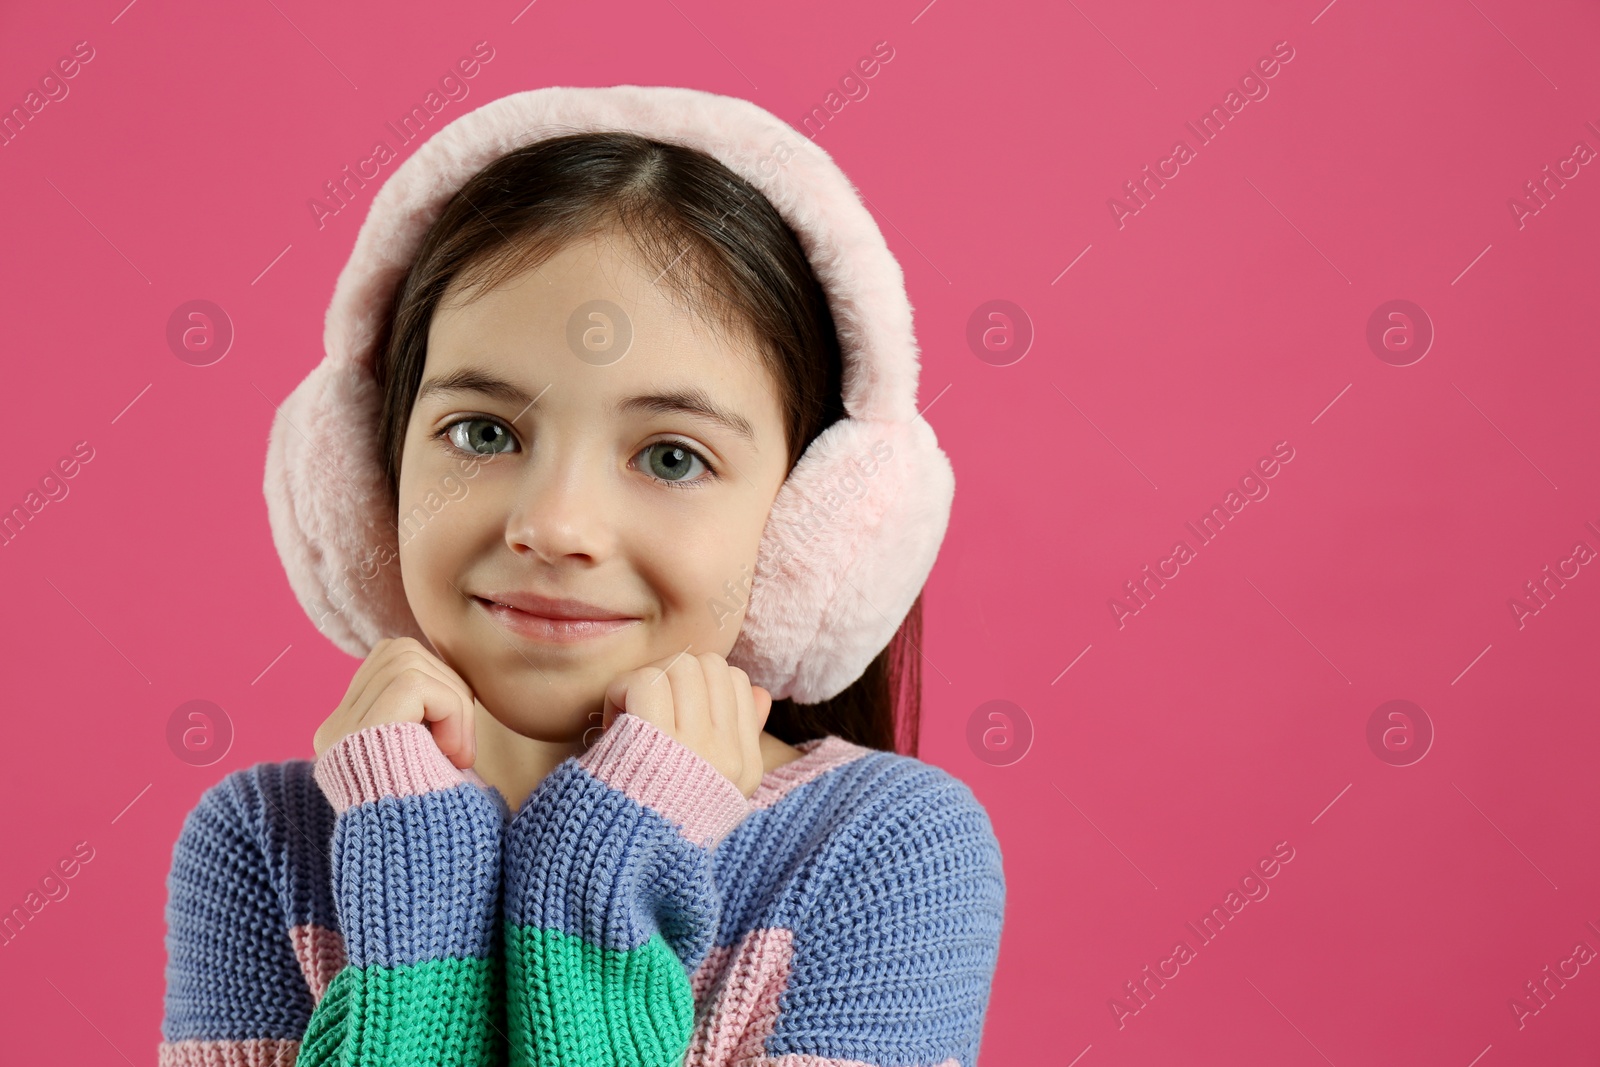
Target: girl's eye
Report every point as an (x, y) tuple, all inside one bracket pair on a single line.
[(470, 434), (673, 462)]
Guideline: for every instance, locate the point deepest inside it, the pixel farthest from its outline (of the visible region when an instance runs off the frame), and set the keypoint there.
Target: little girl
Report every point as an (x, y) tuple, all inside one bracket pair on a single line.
[(614, 477)]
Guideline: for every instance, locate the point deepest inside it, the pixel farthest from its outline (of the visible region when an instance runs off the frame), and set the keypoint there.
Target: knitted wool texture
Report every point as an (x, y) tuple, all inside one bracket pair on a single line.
[(381, 907)]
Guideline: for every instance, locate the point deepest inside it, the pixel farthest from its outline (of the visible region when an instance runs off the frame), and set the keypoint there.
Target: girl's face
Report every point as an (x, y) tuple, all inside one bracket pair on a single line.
[(537, 462)]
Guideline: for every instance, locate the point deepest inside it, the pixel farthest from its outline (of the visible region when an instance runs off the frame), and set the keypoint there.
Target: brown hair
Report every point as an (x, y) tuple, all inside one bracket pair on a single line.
[(721, 247)]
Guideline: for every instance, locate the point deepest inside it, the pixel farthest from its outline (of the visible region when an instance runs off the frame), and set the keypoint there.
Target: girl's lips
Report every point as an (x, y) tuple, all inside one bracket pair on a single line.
[(558, 631)]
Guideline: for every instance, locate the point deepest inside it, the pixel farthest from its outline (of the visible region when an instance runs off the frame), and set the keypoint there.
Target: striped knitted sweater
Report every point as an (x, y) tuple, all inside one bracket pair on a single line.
[(381, 907)]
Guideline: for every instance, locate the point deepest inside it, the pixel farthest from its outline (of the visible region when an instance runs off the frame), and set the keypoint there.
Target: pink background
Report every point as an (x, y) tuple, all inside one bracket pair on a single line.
[(1229, 314)]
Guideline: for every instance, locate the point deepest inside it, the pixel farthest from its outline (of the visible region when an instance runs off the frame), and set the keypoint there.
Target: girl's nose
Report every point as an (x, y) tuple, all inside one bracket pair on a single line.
[(562, 507)]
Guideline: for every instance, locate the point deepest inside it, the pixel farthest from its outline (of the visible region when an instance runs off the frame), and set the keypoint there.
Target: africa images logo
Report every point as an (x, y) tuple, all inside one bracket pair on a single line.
[(1252, 487)]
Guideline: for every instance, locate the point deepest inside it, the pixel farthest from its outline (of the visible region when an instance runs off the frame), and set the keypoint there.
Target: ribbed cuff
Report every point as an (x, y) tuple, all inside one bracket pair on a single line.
[(655, 769), (395, 759)]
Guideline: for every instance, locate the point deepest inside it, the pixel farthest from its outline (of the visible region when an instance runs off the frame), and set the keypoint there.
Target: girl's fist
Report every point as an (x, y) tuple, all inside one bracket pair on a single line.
[(401, 681), (704, 704)]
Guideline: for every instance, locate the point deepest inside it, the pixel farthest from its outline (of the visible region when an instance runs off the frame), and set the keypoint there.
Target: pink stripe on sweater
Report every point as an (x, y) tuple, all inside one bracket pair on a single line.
[(392, 760), (796, 1060), (653, 768), (743, 997), (321, 955), (821, 755), (736, 991), (257, 1052)]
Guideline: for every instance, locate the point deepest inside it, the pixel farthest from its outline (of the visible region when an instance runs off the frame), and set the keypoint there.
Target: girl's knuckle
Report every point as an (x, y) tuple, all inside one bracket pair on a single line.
[(412, 678)]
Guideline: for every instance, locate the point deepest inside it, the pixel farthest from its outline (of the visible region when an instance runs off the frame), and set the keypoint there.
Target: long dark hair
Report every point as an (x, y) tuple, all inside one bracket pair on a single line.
[(720, 246)]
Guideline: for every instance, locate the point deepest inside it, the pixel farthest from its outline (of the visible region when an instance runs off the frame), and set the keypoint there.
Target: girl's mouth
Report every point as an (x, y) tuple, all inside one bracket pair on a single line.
[(543, 628)]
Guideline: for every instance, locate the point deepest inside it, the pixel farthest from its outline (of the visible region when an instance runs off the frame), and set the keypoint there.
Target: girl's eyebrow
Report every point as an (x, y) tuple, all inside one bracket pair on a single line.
[(684, 400), (688, 400), (472, 380)]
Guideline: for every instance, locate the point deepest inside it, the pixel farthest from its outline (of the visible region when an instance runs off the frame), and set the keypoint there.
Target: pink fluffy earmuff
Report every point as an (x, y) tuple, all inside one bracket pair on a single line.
[(852, 533)]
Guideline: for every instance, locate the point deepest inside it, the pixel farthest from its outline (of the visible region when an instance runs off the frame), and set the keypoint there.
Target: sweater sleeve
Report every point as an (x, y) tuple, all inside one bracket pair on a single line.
[(884, 957), (894, 950), (416, 885), (235, 992), (611, 902)]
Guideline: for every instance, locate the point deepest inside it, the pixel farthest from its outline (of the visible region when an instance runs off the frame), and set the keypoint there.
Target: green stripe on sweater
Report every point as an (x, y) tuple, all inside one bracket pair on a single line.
[(575, 1005), (431, 1013)]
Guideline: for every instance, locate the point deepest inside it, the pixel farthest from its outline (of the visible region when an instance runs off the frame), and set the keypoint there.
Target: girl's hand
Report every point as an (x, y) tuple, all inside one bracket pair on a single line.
[(401, 681), (705, 705)]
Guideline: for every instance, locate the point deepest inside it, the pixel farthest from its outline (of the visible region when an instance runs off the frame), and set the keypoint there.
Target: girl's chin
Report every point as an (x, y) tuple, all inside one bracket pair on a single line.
[(553, 724)]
